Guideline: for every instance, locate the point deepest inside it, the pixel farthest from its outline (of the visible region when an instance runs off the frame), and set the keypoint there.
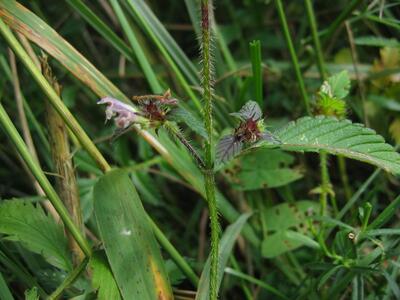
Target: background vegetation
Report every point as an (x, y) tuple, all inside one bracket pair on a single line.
[(294, 225)]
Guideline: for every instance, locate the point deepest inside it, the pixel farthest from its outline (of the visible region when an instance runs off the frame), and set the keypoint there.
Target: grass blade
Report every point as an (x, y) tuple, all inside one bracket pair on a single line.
[(5, 292), (255, 281), (128, 239), (386, 215), (151, 23), (101, 28), (226, 245), (141, 57)]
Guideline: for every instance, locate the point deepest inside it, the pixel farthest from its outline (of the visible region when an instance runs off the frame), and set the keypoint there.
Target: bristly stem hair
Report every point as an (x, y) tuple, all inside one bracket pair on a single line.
[(209, 181)]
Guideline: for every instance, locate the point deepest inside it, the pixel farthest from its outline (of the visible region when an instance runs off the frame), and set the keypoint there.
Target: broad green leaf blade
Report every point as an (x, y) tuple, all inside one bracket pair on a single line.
[(102, 278), (225, 249), (132, 251), (288, 227), (265, 168), (23, 222), (351, 140)]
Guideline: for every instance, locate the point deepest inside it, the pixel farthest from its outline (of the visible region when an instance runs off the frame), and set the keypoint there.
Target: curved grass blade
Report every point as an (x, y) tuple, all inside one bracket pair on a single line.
[(5, 292), (130, 245), (101, 28), (255, 281), (225, 250), (149, 20), (28, 24)]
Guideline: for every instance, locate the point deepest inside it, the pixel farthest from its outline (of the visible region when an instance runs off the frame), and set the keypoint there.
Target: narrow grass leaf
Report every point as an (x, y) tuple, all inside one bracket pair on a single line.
[(255, 281), (150, 21), (225, 250), (375, 41), (5, 293), (131, 248), (385, 215), (101, 27)]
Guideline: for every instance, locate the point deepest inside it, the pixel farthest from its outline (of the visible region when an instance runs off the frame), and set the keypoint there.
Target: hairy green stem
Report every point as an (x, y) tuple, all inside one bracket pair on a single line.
[(209, 181), (175, 132), (293, 55), (37, 172)]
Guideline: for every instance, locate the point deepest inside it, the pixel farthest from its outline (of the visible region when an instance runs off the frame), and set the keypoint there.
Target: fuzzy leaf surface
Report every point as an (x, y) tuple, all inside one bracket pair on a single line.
[(23, 222), (339, 137)]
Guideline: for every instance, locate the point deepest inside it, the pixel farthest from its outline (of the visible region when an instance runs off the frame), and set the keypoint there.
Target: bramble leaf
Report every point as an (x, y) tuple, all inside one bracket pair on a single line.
[(342, 137)]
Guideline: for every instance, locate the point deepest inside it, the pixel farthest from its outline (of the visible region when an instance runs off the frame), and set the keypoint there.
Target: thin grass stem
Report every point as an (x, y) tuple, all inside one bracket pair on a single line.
[(293, 56)]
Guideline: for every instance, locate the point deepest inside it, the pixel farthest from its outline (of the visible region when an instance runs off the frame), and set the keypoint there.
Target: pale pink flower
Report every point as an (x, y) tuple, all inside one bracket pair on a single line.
[(124, 114)]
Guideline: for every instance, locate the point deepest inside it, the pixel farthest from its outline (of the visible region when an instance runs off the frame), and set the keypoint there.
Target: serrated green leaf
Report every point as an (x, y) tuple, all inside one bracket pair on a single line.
[(337, 86), (129, 242), (102, 278), (288, 227), (342, 137), (26, 223), (181, 114), (265, 168)]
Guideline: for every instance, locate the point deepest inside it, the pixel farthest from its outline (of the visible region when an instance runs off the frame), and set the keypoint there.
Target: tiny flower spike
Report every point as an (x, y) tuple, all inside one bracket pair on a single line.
[(124, 114), (250, 130)]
